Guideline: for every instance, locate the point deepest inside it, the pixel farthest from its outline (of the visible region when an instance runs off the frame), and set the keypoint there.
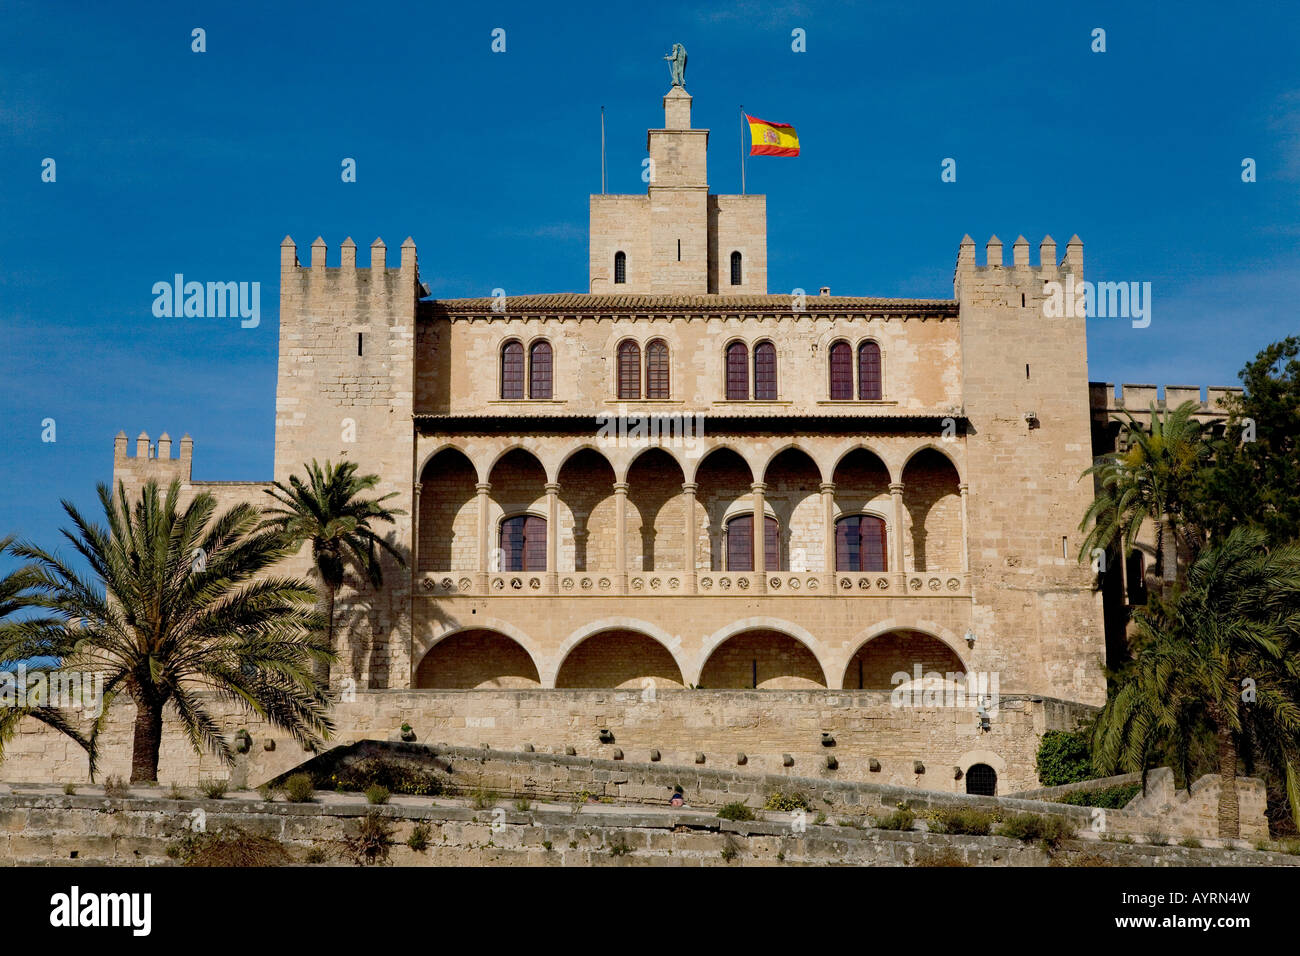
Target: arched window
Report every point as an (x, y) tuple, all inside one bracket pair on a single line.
[(539, 370), (620, 268), (737, 371), (869, 386), (860, 544), (656, 369), (523, 543), (740, 544), (765, 372), (841, 372), (735, 268), (1135, 571), (981, 779), (512, 370), (629, 370)]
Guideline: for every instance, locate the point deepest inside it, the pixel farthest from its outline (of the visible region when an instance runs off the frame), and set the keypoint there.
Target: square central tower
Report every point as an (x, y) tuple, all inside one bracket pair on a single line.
[(678, 239)]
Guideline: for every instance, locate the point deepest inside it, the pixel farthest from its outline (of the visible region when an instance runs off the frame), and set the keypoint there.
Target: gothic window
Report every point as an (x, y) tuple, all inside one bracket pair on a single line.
[(737, 371), (841, 372), (629, 370), (765, 372), (656, 369), (869, 384), (523, 543), (740, 544), (539, 370), (860, 544), (512, 370)]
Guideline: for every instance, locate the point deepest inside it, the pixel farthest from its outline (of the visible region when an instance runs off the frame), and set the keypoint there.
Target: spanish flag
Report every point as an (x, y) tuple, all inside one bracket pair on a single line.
[(772, 139)]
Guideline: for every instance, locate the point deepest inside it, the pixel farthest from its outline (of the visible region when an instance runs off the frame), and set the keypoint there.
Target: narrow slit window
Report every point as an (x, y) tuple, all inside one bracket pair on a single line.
[(620, 268), (736, 274), (359, 334)]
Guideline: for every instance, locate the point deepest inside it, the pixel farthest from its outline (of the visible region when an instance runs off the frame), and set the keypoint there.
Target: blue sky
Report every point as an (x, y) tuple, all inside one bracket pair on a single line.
[(172, 161)]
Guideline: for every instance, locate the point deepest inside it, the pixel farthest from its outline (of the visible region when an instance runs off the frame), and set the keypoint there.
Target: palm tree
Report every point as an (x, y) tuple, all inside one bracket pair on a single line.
[(1150, 481), (16, 593), (1223, 654), (178, 602), (329, 511)]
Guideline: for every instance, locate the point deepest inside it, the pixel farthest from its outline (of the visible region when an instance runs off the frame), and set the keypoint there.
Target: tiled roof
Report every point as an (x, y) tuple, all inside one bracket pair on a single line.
[(577, 303)]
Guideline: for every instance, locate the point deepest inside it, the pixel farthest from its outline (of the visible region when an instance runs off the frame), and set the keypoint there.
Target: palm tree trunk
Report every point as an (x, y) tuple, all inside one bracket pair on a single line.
[(1229, 807), (147, 741), (321, 669), (1168, 555)]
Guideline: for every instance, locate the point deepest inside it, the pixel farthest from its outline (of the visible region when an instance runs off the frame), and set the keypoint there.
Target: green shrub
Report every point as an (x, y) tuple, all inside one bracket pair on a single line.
[(1156, 838), (482, 799), (1109, 798), (377, 794), (419, 838), (963, 820), (299, 789), (397, 777), (213, 789), (900, 819), (315, 855), (371, 840), (116, 788), (70, 789), (1033, 828), (736, 811), (778, 800), (523, 804), (1063, 758), (620, 848), (1191, 843)]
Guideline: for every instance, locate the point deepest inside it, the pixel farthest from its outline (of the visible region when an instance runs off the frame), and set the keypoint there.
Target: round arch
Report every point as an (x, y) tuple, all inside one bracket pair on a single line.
[(672, 643), (427, 641), (928, 629), (762, 658), (618, 656), (476, 658), (762, 623)]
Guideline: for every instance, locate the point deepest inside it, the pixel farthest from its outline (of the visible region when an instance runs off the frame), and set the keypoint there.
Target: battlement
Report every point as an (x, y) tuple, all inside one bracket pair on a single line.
[(1137, 399), (296, 277), (152, 460), (1020, 271)]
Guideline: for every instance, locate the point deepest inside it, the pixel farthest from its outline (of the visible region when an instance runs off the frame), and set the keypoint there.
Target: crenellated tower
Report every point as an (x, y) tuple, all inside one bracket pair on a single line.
[(1025, 391), (345, 391)]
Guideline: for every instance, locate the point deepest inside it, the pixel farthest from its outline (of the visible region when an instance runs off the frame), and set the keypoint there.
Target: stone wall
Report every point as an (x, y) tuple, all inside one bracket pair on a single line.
[(682, 725)]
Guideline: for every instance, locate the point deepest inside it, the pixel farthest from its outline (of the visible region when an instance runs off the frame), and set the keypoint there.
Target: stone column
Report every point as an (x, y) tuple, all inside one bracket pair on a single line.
[(620, 509), (483, 488), (965, 529), (415, 539), (896, 492), (759, 538), (828, 535), (552, 537), (689, 578)]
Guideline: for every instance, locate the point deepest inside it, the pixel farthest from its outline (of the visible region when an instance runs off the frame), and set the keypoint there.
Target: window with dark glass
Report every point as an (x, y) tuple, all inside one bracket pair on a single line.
[(656, 369), (539, 370), (737, 371), (629, 370), (735, 268), (841, 372), (512, 370), (740, 544), (860, 544), (620, 268), (869, 386), (523, 543), (765, 372)]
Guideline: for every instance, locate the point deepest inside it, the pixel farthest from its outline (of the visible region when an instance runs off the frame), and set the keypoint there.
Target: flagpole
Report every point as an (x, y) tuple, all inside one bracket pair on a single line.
[(742, 149), (602, 150)]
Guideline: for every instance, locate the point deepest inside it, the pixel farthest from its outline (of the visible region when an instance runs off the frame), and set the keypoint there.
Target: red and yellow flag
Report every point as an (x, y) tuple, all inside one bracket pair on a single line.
[(771, 139)]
